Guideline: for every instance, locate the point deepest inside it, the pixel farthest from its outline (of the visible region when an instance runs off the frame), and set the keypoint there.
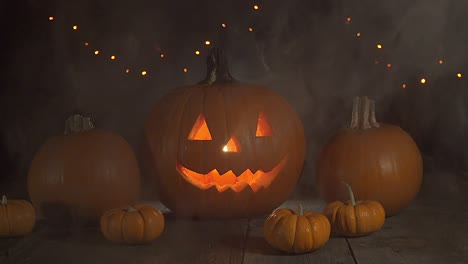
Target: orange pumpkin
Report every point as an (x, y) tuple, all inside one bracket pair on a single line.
[(296, 232), (224, 149), (79, 175), (136, 224), (355, 218), (380, 161), (17, 217)]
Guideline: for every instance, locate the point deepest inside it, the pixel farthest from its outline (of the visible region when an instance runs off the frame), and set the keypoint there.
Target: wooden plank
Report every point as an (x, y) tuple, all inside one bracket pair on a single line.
[(420, 234), (258, 251), (183, 241)]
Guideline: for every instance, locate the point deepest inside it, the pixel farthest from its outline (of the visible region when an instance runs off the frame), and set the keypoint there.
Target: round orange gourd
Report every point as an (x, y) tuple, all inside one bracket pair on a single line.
[(224, 149), (382, 162), (79, 175), (17, 217), (355, 218), (296, 232), (133, 225)]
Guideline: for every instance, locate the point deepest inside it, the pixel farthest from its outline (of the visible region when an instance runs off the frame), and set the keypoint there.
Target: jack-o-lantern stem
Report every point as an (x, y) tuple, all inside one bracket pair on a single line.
[(350, 193), (363, 115), (77, 123), (4, 200), (217, 68)]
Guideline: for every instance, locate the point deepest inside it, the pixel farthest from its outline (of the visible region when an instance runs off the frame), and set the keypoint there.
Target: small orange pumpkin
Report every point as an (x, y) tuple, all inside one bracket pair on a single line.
[(137, 224), (296, 232), (17, 217), (355, 218)]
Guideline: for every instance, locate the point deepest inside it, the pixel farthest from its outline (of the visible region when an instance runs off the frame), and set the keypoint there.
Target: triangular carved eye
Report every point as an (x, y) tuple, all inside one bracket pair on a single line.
[(200, 130), (232, 145), (263, 126)]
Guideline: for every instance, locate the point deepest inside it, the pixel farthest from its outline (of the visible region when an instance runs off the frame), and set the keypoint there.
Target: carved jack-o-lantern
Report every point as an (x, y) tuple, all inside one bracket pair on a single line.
[(224, 149)]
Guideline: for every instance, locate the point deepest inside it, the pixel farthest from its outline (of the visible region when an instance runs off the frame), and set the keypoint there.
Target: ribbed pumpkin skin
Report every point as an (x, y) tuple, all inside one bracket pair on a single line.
[(382, 164), (289, 232), (229, 109), (79, 176), (17, 218)]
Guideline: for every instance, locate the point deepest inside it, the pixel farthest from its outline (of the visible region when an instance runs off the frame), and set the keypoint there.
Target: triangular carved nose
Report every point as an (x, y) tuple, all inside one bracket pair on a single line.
[(232, 145)]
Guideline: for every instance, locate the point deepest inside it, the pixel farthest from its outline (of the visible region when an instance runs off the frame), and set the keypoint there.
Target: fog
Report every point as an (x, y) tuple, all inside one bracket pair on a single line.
[(304, 50)]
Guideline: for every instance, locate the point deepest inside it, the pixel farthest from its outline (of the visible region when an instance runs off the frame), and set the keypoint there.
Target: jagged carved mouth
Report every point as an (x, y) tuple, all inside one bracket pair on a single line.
[(230, 180)]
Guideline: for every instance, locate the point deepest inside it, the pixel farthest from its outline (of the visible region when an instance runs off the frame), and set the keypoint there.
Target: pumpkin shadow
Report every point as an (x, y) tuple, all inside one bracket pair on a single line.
[(254, 245), (60, 215)]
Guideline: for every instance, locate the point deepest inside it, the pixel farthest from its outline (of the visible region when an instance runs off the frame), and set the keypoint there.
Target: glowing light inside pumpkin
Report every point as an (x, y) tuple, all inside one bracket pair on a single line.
[(230, 180), (232, 145), (200, 130), (263, 126)]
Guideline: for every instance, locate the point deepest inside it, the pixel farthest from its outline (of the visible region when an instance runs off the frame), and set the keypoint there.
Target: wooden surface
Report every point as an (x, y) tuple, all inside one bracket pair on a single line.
[(433, 230)]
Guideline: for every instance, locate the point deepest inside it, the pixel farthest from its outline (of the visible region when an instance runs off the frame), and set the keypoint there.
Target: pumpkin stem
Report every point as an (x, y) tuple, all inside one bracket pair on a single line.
[(373, 120), (77, 123), (217, 68), (355, 113), (301, 210), (365, 114), (350, 194), (4, 200)]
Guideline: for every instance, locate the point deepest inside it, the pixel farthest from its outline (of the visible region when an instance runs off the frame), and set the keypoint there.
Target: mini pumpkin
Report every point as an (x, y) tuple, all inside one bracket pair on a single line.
[(17, 217), (296, 232), (381, 161), (77, 176), (136, 224), (224, 149), (355, 218)]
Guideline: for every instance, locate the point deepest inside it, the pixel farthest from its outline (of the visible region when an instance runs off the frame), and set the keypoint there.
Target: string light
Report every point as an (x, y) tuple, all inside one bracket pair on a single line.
[(403, 86), (459, 75), (250, 29), (348, 20), (379, 46), (75, 27), (389, 65), (86, 44), (112, 57), (144, 73), (255, 7), (223, 25), (358, 34), (207, 42), (96, 52), (441, 62), (161, 55), (51, 18), (423, 80), (127, 71), (197, 52), (185, 70)]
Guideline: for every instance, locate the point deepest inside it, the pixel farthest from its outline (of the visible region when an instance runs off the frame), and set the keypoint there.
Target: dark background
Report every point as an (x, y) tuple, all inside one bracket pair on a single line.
[(303, 49)]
